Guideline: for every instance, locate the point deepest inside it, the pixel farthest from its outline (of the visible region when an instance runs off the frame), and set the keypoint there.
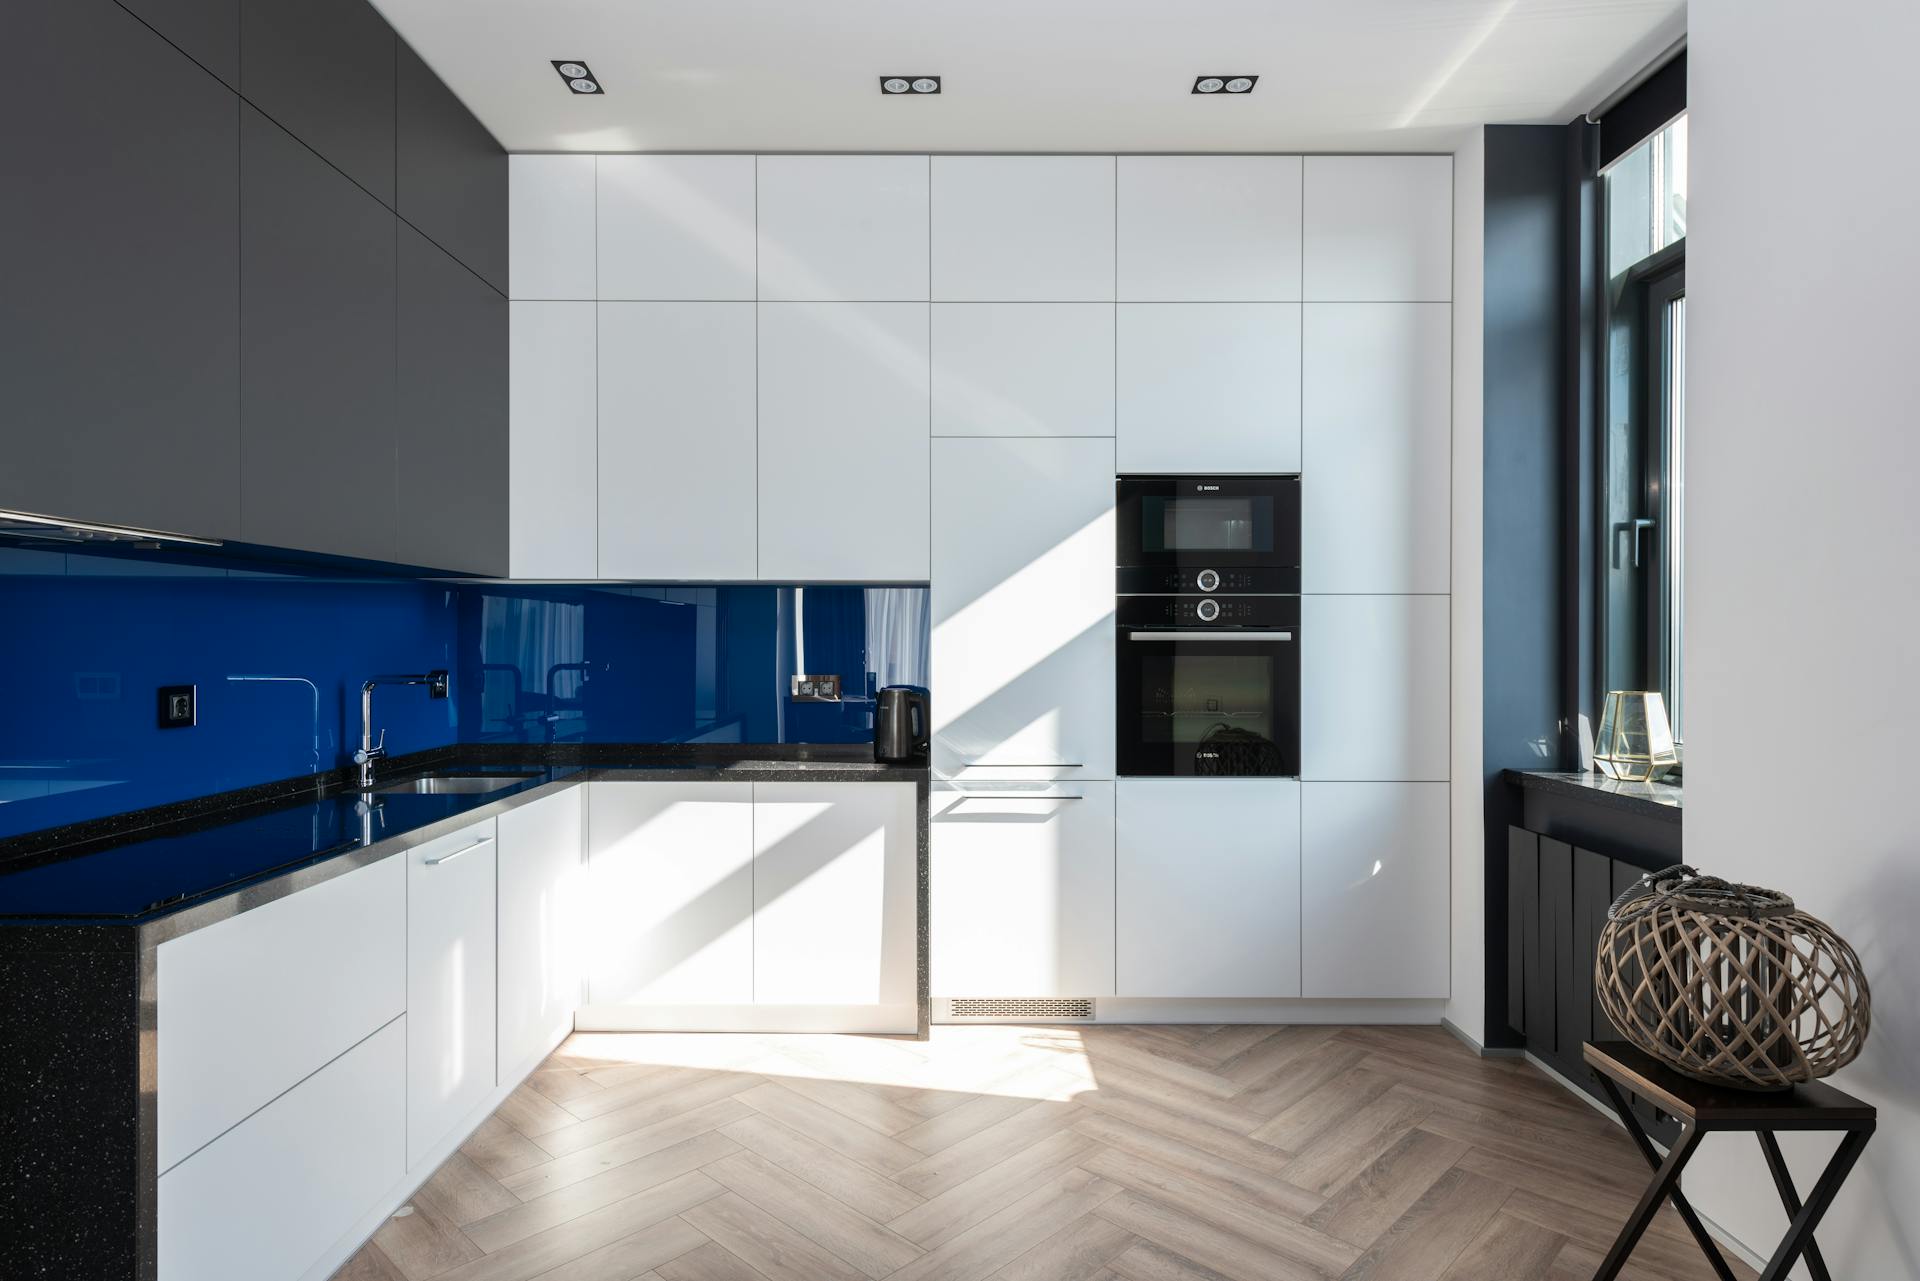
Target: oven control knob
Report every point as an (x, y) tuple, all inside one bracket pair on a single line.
[(1207, 580), (1208, 610)]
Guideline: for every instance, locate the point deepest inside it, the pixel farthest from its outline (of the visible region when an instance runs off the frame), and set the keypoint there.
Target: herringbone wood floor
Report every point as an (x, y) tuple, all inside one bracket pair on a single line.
[(1037, 1154)]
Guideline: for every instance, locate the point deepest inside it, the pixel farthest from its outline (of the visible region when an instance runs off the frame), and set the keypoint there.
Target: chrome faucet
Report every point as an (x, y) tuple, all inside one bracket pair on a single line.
[(370, 752)]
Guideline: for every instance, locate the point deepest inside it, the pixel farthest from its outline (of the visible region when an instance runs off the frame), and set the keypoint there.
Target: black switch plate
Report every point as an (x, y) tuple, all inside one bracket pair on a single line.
[(179, 708)]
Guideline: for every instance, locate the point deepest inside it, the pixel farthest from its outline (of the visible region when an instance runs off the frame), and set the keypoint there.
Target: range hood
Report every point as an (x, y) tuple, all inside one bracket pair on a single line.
[(30, 529)]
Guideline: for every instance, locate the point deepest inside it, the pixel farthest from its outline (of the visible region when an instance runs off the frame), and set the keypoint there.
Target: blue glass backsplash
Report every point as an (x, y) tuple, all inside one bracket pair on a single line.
[(86, 641)]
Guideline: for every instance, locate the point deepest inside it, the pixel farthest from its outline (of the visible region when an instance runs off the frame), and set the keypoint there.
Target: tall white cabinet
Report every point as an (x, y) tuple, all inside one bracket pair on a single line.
[(450, 984)]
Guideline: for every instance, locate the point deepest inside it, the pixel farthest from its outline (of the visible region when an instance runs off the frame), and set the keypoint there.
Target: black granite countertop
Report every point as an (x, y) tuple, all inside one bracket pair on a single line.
[(1653, 800)]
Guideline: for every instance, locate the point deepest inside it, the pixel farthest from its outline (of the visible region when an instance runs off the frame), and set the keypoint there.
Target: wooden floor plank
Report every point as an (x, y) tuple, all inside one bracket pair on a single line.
[(563, 1205), (422, 1243), (1146, 1261), (711, 1262), (960, 1207), (645, 1112), (823, 1125), (500, 1150), (464, 1192), (545, 1251), (1507, 1249), (980, 1152), (1001, 1238), (1423, 1243), (829, 1223), (1225, 1176), (631, 1256), (577, 1167), (1387, 1188), (1077, 1253), (1187, 1237), (766, 1244)]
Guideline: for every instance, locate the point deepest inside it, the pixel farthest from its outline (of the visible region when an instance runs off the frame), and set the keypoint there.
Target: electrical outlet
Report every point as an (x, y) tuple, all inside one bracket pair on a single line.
[(179, 706), (816, 689)]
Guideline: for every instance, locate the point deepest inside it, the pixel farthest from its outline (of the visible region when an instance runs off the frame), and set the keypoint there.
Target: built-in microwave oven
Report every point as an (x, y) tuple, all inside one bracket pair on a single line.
[(1233, 534)]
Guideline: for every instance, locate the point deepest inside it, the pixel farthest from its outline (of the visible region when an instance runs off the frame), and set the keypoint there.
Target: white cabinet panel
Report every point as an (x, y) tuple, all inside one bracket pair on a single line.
[(1209, 228), (843, 228), (1023, 890), (1022, 369), (1207, 887), (551, 459), (1209, 387), (843, 441), (1375, 888), (833, 893), (269, 1197), (669, 917), (1379, 229), (677, 431), (1023, 607), (550, 226), (542, 899), (1376, 447), (450, 983), (1373, 688), (676, 227), (1023, 228), (252, 1005)]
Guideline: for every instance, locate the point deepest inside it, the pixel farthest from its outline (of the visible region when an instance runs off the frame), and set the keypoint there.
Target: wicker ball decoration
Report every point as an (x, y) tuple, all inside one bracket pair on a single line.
[(1730, 984)]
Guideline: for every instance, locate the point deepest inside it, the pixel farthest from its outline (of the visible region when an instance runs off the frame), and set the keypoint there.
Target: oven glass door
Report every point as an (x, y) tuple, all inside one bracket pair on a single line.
[(1208, 703), (1231, 522)]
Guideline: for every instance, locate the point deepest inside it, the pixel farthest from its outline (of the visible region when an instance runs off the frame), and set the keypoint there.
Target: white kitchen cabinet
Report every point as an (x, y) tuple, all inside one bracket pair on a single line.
[(1211, 387), (1022, 650), (1207, 891), (1376, 447), (676, 228), (843, 228), (1209, 228), (1374, 674), (550, 227), (450, 983), (552, 465), (833, 896), (669, 915), (272, 1196), (252, 1005), (1375, 885), (1022, 369), (1023, 228), (676, 431), (1022, 890), (843, 459), (541, 901), (1378, 229)]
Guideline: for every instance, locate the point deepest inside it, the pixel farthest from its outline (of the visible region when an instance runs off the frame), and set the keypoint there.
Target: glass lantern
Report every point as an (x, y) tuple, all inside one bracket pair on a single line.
[(1636, 741)]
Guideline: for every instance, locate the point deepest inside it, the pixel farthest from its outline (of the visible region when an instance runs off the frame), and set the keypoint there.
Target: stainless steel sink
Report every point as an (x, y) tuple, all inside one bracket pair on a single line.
[(455, 784)]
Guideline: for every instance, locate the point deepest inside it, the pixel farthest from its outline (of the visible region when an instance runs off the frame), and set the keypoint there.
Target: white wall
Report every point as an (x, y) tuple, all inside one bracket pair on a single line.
[(1803, 597), (1466, 1010)]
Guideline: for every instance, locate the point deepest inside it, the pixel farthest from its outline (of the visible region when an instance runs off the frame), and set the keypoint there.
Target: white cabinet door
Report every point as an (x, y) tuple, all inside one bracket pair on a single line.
[(1022, 369), (541, 901), (677, 440), (450, 983), (550, 227), (1377, 438), (269, 1197), (1375, 880), (1023, 890), (551, 440), (676, 228), (833, 894), (1374, 674), (843, 441), (1207, 887), (1211, 387), (1023, 607), (1379, 229), (1023, 228), (669, 917), (843, 228), (1209, 228)]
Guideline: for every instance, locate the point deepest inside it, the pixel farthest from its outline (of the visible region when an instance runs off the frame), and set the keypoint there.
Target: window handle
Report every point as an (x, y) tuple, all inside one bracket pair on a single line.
[(1640, 527)]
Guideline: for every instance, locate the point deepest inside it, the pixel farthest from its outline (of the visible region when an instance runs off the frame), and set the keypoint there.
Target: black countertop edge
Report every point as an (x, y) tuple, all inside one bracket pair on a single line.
[(1658, 801)]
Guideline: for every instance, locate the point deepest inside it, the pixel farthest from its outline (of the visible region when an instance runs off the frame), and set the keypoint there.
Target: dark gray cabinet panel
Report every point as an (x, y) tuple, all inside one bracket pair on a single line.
[(207, 30), (452, 414), (118, 275), (1523, 923), (452, 174), (1547, 998), (324, 70), (318, 295)]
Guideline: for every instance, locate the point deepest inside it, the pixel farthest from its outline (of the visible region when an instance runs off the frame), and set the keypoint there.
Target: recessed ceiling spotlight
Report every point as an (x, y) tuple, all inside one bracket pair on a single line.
[(576, 74), (909, 84), (1225, 84)]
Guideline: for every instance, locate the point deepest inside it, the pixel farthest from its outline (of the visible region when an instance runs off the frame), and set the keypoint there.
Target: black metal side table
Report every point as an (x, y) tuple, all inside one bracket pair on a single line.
[(1704, 1109)]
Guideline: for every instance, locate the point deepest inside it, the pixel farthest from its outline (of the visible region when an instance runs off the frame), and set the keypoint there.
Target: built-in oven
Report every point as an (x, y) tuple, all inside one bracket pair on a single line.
[(1232, 534)]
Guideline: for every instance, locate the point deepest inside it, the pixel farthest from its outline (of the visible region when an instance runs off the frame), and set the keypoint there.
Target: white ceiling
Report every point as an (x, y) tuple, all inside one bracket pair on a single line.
[(1028, 75)]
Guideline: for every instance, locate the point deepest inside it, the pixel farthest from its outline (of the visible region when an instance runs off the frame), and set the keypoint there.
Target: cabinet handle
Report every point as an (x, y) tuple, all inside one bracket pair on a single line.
[(980, 761), (464, 849), (1019, 796), (1202, 635)]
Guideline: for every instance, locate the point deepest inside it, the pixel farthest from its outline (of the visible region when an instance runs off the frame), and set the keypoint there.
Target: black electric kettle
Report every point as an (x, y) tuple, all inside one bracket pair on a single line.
[(900, 730)]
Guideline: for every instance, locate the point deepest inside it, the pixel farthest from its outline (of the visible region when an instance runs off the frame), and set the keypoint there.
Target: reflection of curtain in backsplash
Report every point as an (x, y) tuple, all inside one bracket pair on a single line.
[(534, 638), (898, 624)]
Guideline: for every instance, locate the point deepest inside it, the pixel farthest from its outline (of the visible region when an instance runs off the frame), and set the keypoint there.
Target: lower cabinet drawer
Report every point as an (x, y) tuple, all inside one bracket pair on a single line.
[(265, 1200)]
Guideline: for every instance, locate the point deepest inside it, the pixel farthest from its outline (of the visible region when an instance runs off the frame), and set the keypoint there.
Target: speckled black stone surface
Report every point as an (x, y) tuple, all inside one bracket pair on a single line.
[(1661, 801)]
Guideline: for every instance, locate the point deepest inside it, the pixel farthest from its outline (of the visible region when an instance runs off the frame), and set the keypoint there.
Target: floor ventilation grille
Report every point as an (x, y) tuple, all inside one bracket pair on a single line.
[(1049, 1009)]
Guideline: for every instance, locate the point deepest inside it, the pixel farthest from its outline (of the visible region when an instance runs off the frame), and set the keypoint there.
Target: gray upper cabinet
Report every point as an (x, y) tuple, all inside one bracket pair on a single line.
[(208, 31), (324, 69), (452, 421), (452, 174), (118, 275), (317, 305)]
